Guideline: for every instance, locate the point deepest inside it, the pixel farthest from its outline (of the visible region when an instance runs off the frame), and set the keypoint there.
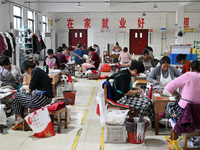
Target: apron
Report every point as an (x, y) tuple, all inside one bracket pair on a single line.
[(147, 64), (51, 62), (164, 81)]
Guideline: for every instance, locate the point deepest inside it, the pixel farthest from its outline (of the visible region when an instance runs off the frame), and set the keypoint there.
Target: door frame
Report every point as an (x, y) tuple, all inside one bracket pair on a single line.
[(79, 29), (130, 38)]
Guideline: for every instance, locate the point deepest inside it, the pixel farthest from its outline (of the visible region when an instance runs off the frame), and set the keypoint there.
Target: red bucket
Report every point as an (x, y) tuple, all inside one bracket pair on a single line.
[(136, 128), (71, 95)]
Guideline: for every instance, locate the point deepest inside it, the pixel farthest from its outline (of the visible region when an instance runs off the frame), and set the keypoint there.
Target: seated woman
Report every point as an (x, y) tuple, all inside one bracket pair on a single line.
[(41, 83), (92, 62), (125, 57), (124, 94), (10, 75), (61, 58), (190, 84), (163, 74), (181, 59), (146, 60), (51, 60)]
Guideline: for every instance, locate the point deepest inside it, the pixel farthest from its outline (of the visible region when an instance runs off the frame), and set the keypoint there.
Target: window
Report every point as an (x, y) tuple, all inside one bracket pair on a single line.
[(31, 21), (17, 13), (44, 23)]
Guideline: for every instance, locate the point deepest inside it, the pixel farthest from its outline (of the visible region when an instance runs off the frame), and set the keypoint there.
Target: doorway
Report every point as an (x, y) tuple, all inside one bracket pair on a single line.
[(138, 40), (77, 36)]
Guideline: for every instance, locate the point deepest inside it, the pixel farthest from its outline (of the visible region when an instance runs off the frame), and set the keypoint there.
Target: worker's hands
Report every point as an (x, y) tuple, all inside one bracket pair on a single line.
[(155, 82)]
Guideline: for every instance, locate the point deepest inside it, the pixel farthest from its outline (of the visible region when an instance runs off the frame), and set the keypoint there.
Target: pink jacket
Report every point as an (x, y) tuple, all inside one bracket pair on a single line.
[(125, 57), (190, 83)]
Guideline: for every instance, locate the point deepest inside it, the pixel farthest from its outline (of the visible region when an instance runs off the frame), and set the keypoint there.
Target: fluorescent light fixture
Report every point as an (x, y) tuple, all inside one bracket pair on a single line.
[(79, 5), (155, 7), (144, 15)]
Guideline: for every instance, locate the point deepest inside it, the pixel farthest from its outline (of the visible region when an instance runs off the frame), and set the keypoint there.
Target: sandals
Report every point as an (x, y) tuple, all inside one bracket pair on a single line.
[(18, 124)]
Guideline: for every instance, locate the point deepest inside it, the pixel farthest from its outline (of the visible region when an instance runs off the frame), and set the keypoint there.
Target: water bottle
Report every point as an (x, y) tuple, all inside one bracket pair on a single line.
[(47, 69)]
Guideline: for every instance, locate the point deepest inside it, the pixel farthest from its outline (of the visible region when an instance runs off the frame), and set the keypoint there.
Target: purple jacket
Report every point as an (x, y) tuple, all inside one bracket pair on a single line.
[(2, 44), (189, 120)]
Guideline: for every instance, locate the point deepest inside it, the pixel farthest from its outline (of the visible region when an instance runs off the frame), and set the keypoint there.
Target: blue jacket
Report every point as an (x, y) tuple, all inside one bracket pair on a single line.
[(79, 52), (109, 89)]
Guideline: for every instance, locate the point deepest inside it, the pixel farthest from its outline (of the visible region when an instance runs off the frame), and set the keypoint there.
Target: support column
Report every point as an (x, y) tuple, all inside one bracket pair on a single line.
[(180, 24), (163, 39)]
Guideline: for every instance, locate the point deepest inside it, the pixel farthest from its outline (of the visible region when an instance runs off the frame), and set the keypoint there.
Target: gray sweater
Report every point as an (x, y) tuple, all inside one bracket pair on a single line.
[(156, 73)]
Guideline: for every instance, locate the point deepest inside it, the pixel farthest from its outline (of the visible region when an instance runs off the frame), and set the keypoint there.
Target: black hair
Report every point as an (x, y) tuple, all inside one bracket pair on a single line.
[(180, 57), (5, 53), (195, 65), (137, 65), (79, 45), (26, 64), (95, 45), (64, 45), (147, 47), (165, 59), (145, 51), (117, 43), (50, 51), (59, 49), (151, 49), (84, 46), (125, 49), (91, 49), (4, 61)]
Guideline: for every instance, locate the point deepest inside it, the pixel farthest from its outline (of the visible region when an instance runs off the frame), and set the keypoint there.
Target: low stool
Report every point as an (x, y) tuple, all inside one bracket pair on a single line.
[(57, 115)]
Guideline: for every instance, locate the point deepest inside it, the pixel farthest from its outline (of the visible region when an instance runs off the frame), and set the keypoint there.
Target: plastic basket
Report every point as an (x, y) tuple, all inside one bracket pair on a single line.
[(115, 134), (71, 95), (189, 57)]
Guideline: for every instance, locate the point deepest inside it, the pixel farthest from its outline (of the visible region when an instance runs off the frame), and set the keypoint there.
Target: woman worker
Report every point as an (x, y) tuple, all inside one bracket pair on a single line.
[(124, 94), (125, 57), (146, 60), (190, 84), (181, 59), (41, 83), (163, 74)]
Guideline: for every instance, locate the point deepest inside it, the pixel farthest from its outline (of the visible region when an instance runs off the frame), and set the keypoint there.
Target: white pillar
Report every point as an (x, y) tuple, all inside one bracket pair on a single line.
[(180, 24), (163, 25)]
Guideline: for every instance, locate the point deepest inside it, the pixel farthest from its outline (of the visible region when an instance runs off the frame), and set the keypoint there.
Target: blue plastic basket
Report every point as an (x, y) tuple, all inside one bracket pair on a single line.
[(189, 57)]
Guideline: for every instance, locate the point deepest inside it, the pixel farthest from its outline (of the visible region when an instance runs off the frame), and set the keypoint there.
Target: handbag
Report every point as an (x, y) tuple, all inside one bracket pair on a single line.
[(40, 123)]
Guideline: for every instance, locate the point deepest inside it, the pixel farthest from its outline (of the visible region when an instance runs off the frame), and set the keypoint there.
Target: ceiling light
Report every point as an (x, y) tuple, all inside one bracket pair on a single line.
[(144, 15), (155, 7), (79, 5)]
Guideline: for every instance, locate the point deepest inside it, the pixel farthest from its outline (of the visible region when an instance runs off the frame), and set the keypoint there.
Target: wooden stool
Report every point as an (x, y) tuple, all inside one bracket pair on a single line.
[(59, 119)]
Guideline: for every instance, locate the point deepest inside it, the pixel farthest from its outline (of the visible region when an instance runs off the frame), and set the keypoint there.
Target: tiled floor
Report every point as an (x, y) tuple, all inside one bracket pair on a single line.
[(84, 131)]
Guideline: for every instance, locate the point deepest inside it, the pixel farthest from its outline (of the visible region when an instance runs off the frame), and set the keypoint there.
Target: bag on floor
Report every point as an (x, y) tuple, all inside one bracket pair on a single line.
[(105, 68), (3, 119), (173, 144), (40, 123)]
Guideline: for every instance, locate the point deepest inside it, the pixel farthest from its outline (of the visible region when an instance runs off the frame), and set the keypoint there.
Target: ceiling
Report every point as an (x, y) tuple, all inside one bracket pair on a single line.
[(114, 6)]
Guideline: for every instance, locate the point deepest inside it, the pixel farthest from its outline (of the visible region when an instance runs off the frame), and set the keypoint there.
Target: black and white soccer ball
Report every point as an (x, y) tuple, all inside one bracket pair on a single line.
[(64, 78)]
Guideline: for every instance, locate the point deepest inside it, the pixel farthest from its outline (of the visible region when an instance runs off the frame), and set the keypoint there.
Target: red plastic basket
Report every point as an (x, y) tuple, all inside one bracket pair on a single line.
[(71, 95)]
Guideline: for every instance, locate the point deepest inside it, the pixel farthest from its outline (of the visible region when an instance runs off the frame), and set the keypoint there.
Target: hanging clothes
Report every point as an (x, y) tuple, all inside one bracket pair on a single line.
[(35, 44), (2, 44), (4, 38), (10, 44), (41, 43)]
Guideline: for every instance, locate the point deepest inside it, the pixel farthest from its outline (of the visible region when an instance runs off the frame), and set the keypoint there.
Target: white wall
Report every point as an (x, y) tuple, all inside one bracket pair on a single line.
[(153, 21)]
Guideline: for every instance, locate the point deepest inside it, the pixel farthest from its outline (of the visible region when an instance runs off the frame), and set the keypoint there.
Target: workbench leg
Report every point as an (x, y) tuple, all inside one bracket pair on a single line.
[(156, 123), (54, 89)]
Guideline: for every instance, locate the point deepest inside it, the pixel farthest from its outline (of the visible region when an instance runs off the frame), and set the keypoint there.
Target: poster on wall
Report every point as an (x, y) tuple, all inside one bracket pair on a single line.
[(163, 33)]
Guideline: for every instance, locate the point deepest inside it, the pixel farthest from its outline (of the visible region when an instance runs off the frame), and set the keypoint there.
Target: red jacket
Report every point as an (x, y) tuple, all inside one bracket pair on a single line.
[(186, 67), (95, 58)]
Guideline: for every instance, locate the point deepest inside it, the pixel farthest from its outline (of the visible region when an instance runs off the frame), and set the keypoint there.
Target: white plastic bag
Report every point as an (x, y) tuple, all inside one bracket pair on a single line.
[(40, 123), (102, 108), (3, 119), (116, 117)]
